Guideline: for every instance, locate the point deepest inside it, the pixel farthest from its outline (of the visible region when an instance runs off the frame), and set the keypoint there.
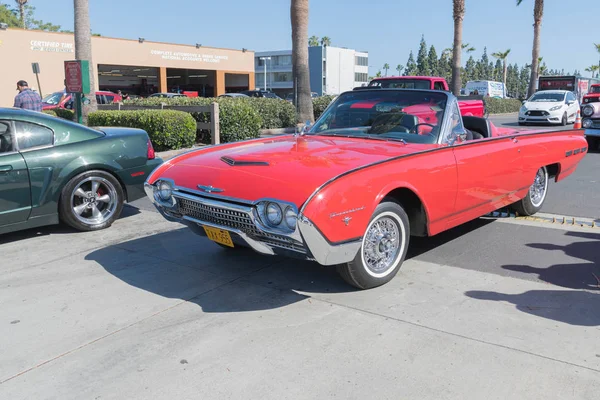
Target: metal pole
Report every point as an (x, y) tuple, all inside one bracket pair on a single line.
[(37, 77), (265, 65), (78, 108)]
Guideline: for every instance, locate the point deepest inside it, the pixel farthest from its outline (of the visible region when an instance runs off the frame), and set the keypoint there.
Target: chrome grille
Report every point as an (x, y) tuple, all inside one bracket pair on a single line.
[(218, 215)]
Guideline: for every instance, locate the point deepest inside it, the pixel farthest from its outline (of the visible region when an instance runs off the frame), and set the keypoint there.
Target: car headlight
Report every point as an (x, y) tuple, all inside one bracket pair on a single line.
[(290, 218), (274, 214), (587, 123), (588, 111), (165, 190), (523, 109), (555, 108)]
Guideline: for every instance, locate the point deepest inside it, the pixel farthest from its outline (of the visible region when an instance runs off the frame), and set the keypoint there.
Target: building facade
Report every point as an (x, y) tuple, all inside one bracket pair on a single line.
[(333, 70), (136, 67)]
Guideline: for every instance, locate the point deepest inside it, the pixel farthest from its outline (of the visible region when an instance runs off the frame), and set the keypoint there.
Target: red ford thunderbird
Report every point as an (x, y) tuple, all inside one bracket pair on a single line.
[(378, 166)]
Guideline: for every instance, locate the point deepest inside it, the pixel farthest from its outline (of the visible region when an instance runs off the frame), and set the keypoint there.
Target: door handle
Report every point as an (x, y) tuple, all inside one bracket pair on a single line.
[(5, 168)]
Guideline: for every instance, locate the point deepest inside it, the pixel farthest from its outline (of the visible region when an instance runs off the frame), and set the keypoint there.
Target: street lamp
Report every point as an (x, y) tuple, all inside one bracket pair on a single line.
[(264, 59)]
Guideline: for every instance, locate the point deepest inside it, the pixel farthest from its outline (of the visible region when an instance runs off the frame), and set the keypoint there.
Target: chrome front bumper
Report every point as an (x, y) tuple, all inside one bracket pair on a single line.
[(239, 218)]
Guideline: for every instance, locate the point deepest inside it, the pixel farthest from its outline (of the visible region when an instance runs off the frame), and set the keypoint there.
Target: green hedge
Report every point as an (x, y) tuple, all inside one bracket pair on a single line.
[(167, 129), (320, 104), (502, 106), (274, 113), (61, 113)]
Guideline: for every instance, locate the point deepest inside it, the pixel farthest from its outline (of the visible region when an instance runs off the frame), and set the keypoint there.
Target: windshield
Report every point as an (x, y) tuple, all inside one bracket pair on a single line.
[(402, 84), (53, 98), (595, 89), (408, 116), (553, 97)]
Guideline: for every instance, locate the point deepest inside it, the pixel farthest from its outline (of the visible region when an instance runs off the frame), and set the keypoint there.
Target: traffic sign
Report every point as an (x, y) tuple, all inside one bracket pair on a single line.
[(77, 76)]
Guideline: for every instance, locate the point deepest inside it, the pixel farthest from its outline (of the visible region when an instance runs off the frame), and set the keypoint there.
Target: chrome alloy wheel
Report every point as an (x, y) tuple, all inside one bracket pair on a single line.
[(94, 200), (383, 244), (537, 191)]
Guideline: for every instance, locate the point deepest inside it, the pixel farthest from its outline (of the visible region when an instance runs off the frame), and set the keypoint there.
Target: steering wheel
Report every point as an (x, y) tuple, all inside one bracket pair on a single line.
[(416, 130)]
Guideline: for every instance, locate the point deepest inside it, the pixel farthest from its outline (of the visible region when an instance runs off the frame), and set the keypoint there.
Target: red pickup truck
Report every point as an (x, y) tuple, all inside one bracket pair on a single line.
[(469, 105)]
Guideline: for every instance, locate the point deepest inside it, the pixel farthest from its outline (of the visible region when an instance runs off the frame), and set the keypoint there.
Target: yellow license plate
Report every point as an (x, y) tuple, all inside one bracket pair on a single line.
[(218, 235)]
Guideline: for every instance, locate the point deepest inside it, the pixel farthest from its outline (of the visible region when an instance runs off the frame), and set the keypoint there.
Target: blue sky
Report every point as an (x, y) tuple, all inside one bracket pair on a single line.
[(387, 29)]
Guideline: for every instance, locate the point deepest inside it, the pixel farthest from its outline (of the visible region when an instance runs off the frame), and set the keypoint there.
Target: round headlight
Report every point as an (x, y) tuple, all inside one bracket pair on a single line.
[(588, 111), (164, 190), (274, 214), (290, 218), (587, 123)]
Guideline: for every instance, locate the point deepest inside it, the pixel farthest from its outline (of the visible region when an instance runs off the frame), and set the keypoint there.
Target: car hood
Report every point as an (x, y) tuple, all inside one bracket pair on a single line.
[(542, 105), (286, 168)]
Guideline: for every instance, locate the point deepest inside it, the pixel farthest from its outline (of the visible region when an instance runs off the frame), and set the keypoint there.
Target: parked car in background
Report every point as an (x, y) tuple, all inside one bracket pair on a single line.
[(66, 100), (55, 170), (486, 89), (469, 105), (290, 96), (166, 95), (237, 95), (590, 112), (378, 166), (549, 106), (260, 93)]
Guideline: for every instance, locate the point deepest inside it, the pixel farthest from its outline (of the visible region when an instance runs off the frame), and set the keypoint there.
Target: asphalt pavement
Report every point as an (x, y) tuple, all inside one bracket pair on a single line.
[(498, 308)]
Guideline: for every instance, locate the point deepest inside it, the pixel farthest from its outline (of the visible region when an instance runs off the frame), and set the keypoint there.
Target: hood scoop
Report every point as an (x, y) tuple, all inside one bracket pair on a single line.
[(241, 162)]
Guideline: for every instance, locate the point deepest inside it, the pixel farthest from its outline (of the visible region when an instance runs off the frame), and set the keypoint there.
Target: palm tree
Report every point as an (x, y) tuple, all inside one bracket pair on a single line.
[(399, 68), (378, 74), (21, 4), (502, 55), (313, 41), (300, 71), (325, 41), (598, 50), (468, 48), (538, 13), (592, 69), (386, 66), (458, 13), (83, 51)]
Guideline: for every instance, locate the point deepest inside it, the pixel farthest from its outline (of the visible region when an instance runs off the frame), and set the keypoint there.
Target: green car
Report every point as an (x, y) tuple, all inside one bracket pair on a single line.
[(54, 170)]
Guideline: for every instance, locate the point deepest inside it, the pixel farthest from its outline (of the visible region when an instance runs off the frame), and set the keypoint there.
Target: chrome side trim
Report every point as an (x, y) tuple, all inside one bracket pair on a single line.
[(324, 252)]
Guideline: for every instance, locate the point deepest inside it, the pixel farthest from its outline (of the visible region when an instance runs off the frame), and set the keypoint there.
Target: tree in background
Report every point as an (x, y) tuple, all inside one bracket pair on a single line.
[(21, 5), (423, 68), (411, 65), (502, 56), (83, 51), (592, 69), (325, 41), (386, 66), (300, 71), (8, 17), (313, 41), (597, 46), (458, 14), (399, 68), (432, 60), (538, 13)]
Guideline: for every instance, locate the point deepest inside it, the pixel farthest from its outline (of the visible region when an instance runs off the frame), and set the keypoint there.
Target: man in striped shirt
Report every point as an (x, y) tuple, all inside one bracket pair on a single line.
[(27, 98)]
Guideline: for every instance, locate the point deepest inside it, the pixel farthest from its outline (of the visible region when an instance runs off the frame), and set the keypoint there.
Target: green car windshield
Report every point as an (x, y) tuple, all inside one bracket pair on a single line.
[(411, 116)]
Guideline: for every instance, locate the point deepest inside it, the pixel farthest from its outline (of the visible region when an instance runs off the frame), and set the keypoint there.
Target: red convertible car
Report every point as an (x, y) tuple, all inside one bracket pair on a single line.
[(378, 166)]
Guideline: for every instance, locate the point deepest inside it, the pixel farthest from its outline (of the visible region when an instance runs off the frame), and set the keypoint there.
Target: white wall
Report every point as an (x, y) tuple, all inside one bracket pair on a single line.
[(340, 70)]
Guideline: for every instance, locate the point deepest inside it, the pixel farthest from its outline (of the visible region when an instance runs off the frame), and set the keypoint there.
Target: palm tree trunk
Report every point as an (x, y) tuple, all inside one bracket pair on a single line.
[(299, 19), (22, 14), (538, 12), (459, 15), (83, 51)]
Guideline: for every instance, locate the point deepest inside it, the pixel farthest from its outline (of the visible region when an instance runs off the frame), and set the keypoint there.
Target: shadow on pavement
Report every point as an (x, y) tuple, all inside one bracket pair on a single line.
[(570, 307), (59, 229), (179, 264), (584, 275)]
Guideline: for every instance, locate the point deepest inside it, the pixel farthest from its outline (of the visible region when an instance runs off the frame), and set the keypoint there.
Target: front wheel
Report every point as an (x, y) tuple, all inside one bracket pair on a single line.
[(383, 248), (532, 203), (563, 122), (91, 201)]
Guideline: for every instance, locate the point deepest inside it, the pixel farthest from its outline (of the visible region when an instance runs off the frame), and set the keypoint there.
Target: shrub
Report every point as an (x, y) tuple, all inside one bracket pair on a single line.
[(274, 113), (61, 113), (320, 104), (167, 129), (501, 106)]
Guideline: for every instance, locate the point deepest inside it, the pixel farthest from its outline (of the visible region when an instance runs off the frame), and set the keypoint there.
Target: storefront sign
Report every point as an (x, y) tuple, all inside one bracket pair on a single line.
[(185, 56), (51, 47)]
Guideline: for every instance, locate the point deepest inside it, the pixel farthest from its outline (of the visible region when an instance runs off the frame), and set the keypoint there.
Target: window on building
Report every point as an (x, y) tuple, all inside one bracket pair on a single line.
[(282, 77), (362, 61), (282, 60), (361, 77), (261, 63)]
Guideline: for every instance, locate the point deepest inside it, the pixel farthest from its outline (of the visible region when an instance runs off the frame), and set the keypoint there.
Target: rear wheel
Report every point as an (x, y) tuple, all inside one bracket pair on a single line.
[(534, 200), (383, 248), (91, 201)]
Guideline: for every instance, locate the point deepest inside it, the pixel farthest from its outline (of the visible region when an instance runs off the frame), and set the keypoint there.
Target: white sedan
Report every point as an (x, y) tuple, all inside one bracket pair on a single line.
[(550, 106)]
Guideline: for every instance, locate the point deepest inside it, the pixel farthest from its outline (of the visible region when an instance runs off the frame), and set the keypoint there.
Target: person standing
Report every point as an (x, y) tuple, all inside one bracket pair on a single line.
[(27, 99)]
